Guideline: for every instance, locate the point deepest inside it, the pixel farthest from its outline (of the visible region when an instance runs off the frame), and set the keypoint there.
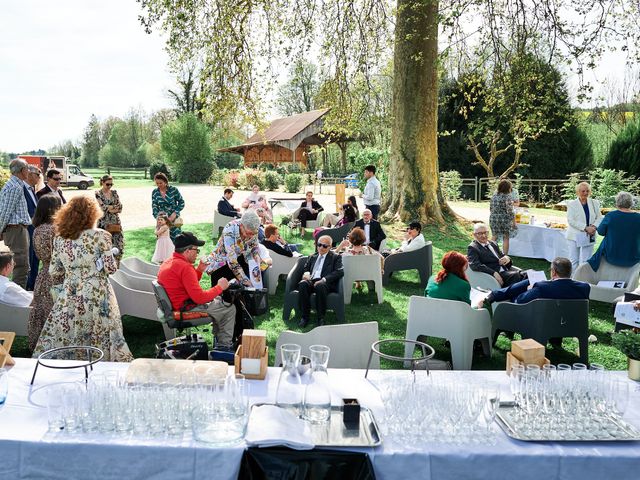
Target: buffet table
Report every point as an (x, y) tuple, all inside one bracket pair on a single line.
[(539, 241), (27, 450)]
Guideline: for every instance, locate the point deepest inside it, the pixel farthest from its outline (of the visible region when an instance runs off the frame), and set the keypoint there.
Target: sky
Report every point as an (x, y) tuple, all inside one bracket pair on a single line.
[(62, 60)]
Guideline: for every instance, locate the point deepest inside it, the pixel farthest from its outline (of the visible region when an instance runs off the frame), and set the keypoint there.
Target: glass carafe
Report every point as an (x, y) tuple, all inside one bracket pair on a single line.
[(289, 391), (316, 406)]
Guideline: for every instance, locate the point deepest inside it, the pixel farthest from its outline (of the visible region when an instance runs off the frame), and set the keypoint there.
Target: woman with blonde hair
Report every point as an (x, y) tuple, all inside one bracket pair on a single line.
[(85, 311), (583, 218)]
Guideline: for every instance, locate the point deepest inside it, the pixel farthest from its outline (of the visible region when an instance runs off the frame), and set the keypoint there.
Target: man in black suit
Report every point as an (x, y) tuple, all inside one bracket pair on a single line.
[(225, 207), (54, 177), (372, 229), (33, 178), (485, 256), (322, 272)]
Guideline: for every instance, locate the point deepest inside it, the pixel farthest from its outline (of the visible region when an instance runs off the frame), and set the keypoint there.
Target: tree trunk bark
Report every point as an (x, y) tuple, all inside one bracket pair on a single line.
[(413, 177), (343, 156)]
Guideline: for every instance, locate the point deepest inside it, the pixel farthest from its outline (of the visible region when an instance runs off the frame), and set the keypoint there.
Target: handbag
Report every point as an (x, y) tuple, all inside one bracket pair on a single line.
[(113, 228), (178, 222), (256, 301)]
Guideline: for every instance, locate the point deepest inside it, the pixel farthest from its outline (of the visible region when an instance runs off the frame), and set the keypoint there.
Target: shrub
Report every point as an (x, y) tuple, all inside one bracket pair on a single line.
[(569, 188), (628, 342), (293, 182), (272, 180), (606, 183), (218, 177), (157, 167), (4, 176), (231, 178), (451, 184), (249, 178), (624, 153)]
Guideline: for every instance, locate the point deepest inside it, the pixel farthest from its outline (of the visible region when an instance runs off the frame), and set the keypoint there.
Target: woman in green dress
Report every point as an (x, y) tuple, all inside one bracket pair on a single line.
[(167, 199), (450, 283)]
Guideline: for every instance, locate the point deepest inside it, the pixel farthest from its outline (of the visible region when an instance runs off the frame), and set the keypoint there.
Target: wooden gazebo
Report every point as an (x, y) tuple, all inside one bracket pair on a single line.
[(285, 140)]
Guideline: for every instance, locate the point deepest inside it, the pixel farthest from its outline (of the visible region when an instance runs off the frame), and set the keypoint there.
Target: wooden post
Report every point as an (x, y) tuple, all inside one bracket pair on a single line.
[(340, 195)]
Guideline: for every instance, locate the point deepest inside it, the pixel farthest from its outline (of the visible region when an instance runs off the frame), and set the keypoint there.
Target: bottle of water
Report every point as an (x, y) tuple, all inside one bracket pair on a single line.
[(316, 404)]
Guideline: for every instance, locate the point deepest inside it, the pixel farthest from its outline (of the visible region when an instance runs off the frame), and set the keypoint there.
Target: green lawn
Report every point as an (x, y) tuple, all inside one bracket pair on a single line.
[(391, 316)]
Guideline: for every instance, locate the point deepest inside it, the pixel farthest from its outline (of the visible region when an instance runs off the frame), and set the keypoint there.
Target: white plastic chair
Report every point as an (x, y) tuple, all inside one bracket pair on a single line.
[(137, 266), (136, 302), (350, 343), (14, 319), (606, 271), (134, 281), (362, 268), (219, 222), (482, 280), (282, 265), (456, 321), (311, 224)]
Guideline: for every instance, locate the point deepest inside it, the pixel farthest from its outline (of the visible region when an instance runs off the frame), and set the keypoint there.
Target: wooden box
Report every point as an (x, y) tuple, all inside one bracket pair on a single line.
[(512, 360), (253, 343), (251, 362), (6, 340), (527, 350)]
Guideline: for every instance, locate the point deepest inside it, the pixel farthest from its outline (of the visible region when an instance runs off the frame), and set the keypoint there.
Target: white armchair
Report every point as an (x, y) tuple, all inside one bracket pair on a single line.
[(219, 222), (14, 319), (362, 268), (606, 271), (482, 280), (282, 265), (137, 266)]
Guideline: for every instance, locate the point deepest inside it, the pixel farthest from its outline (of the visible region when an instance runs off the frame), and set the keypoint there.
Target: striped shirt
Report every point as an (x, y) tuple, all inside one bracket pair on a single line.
[(13, 204), (172, 202)]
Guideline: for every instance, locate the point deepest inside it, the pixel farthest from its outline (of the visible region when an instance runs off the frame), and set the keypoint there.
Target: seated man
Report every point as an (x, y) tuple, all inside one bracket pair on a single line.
[(372, 230), (225, 207), (181, 281), (274, 242), (10, 292), (560, 287), (322, 272), (485, 256)]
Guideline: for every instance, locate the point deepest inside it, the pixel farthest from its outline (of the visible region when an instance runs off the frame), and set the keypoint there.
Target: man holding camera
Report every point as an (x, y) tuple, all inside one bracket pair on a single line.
[(181, 281)]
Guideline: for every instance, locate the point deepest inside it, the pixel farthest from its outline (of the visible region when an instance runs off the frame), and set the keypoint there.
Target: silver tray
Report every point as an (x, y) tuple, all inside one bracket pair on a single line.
[(608, 429), (335, 434)]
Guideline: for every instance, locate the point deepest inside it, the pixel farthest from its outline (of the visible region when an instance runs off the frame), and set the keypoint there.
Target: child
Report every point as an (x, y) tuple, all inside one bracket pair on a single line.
[(164, 245)]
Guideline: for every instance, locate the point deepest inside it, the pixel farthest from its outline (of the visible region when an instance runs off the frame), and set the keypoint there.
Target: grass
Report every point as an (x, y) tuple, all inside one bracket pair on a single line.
[(391, 315)]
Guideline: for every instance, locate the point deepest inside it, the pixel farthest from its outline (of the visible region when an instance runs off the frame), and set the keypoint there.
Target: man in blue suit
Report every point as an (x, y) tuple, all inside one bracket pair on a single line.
[(33, 178), (225, 207), (560, 287)]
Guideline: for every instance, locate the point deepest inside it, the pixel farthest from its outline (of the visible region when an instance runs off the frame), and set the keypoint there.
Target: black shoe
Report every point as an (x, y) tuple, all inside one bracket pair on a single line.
[(320, 321), (303, 322)]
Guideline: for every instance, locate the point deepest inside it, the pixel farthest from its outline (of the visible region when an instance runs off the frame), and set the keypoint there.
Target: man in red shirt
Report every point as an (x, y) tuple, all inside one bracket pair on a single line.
[(181, 281)]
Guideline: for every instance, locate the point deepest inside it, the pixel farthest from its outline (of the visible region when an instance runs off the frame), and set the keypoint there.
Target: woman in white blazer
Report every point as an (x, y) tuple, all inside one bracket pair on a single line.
[(583, 217)]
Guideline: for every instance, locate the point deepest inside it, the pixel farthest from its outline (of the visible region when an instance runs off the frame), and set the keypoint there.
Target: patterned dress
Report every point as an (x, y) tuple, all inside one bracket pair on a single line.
[(117, 239), (231, 246), (86, 311), (42, 300), (501, 216), (170, 202)]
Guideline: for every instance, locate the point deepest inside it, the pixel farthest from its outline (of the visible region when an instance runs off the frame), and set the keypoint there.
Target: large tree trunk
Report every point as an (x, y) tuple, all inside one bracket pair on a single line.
[(413, 173)]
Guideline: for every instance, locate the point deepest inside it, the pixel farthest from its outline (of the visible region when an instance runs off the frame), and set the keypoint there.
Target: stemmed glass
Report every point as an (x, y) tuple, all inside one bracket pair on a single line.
[(491, 405)]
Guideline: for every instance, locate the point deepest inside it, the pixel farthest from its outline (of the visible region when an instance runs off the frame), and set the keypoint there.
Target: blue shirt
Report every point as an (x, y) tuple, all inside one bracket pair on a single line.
[(585, 207), (621, 243)]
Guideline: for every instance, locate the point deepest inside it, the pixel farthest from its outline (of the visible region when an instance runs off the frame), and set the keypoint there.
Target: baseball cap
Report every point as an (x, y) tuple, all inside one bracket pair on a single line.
[(187, 239)]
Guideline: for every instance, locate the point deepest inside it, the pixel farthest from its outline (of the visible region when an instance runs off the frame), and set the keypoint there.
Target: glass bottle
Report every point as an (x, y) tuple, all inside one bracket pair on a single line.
[(317, 393), (289, 390)]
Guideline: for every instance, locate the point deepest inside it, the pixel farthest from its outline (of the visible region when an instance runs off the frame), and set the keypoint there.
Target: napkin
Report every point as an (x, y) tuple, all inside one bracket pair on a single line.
[(270, 425)]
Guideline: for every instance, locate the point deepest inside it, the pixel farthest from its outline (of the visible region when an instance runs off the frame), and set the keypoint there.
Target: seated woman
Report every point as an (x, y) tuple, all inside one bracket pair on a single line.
[(621, 231), (267, 216), (354, 203), (450, 283), (348, 215), (309, 210), (252, 199)]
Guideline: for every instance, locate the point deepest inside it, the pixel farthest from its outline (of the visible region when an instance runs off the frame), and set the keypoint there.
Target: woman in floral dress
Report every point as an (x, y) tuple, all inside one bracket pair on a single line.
[(43, 235), (85, 311), (111, 206), (166, 199), (502, 217)]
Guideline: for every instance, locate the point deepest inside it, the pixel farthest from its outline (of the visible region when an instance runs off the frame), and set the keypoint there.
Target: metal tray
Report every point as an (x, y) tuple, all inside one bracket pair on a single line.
[(335, 434), (609, 430)]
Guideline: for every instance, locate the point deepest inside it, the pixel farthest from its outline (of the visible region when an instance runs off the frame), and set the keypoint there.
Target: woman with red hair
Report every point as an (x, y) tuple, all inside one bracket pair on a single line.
[(450, 283)]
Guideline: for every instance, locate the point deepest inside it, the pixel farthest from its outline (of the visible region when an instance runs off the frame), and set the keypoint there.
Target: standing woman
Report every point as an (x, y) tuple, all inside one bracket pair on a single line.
[(501, 217), (109, 202), (167, 199), (86, 311), (43, 235), (583, 218)]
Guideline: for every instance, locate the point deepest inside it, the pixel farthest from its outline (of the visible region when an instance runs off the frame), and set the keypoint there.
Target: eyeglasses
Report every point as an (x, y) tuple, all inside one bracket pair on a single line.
[(323, 245), (195, 248), (481, 233)]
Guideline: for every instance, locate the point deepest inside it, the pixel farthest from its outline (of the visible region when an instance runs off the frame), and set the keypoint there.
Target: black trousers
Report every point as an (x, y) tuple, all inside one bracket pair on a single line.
[(225, 272), (306, 215), (306, 289)]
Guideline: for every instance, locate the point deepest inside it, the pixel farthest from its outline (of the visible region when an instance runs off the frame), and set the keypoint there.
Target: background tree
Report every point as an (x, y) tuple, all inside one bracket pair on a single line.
[(188, 97), (624, 153), (91, 143), (298, 94), (66, 148), (186, 146)]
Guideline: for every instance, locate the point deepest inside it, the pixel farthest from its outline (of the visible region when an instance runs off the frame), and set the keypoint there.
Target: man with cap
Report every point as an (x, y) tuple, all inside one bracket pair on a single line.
[(181, 281)]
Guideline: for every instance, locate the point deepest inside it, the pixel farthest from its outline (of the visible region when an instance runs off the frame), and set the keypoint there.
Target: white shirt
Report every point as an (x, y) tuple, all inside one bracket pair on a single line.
[(13, 294), (491, 249), (367, 227), (414, 244), (372, 192), (317, 268)]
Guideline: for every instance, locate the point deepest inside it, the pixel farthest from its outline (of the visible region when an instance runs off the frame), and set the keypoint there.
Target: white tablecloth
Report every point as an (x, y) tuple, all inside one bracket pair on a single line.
[(28, 451), (538, 241)]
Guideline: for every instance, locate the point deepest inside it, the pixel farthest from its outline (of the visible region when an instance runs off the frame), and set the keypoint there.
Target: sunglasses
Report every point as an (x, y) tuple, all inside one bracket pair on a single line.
[(109, 184), (323, 245), (57, 179)]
